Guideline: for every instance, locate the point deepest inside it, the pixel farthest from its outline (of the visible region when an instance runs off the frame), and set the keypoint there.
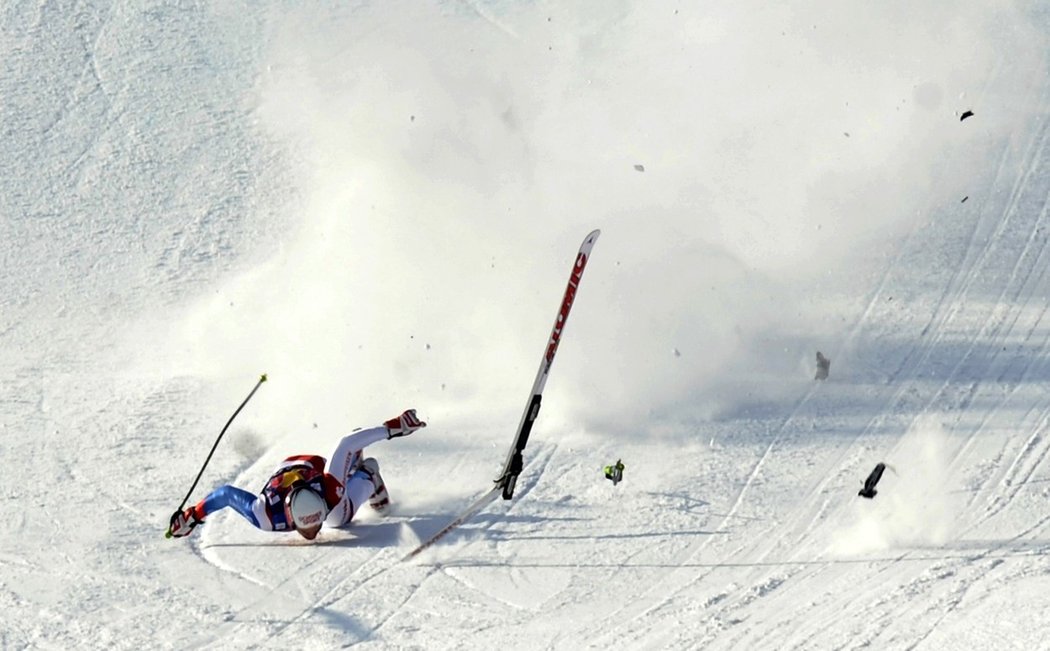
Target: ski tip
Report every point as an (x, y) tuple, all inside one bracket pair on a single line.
[(588, 241)]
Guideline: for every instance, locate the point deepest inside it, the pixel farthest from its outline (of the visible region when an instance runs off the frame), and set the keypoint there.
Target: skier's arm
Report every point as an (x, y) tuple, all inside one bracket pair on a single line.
[(362, 438), (402, 425), (238, 499)]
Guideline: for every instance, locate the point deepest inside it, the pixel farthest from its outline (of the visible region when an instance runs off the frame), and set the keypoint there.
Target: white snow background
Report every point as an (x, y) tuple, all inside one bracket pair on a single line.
[(378, 204)]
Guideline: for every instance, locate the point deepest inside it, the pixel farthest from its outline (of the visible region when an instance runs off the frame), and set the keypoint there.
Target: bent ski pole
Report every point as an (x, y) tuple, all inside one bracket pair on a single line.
[(262, 379)]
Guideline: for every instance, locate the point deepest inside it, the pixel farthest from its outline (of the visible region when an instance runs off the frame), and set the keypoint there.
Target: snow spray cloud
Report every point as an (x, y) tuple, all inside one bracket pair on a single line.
[(449, 158), (914, 505)]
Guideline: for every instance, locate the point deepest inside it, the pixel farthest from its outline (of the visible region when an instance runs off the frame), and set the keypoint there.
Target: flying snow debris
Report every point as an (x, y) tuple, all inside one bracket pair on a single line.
[(873, 479), (823, 366), (965, 115), (614, 473)]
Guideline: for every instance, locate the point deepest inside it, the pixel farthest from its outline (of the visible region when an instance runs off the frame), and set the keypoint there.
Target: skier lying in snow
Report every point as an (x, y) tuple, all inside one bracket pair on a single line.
[(300, 496)]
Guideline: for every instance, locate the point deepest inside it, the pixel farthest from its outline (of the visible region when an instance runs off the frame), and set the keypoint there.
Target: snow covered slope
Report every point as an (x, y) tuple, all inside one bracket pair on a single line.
[(377, 204)]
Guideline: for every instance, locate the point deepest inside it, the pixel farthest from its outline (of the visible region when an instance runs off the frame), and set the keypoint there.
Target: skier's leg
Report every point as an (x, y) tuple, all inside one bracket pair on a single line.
[(341, 514), (359, 489), (380, 498), (365, 485)]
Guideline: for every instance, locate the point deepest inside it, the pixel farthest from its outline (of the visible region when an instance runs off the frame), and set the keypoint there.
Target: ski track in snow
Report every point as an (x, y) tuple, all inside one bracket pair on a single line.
[(991, 330), (997, 326)]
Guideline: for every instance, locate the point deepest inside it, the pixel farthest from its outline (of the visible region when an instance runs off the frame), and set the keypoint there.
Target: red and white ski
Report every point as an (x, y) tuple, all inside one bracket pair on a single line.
[(514, 464)]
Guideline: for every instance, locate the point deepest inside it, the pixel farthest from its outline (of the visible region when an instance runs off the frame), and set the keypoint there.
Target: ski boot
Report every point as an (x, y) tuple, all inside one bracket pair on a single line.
[(380, 499)]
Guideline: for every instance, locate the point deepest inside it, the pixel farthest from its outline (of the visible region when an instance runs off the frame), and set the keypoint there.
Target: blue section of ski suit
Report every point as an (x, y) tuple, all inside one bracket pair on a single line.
[(238, 499)]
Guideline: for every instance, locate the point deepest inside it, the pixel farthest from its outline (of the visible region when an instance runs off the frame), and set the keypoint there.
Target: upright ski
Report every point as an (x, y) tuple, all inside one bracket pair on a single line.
[(514, 464)]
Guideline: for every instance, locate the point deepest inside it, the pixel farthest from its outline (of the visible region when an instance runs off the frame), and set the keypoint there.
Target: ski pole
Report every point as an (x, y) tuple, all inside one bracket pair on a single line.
[(262, 379)]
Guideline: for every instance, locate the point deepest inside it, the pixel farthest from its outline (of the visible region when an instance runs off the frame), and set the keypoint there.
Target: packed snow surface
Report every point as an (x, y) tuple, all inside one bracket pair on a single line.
[(377, 204)]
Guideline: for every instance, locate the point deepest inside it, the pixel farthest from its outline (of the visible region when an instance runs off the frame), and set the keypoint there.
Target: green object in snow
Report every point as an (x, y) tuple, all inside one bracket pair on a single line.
[(614, 473)]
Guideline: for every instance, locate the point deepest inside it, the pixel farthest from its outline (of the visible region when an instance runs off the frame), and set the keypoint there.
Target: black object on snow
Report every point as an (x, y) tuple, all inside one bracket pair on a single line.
[(823, 366), (869, 484), (965, 115)]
